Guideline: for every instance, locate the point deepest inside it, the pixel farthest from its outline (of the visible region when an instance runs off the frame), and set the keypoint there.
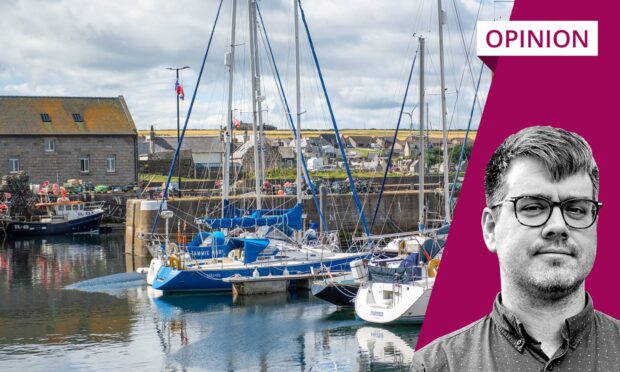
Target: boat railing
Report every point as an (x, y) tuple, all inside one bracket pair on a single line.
[(91, 206)]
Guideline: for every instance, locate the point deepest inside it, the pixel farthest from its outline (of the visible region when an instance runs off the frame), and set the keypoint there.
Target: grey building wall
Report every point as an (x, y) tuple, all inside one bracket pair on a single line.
[(64, 162)]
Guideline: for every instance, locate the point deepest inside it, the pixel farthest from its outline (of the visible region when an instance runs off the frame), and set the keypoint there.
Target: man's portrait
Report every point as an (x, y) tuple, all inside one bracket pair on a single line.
[(541, 191)]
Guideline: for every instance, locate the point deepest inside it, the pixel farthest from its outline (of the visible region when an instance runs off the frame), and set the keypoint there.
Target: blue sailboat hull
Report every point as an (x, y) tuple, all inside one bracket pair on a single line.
[(169, 279)]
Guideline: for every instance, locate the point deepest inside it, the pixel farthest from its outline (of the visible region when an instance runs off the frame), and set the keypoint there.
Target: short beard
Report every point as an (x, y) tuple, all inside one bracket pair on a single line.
[(550, 290)]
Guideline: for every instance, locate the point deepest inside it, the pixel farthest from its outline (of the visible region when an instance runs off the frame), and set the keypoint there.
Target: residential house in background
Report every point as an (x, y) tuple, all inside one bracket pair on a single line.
[(200, 156), (59, 138), (361, 142), (288, 157), (385, 143), (330, 138), (243, 157)]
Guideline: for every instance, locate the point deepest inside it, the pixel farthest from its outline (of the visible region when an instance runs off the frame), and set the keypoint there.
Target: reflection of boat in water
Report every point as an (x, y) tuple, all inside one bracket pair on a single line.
[(189, 302), (64, 217), (264, 300), (384, 346)]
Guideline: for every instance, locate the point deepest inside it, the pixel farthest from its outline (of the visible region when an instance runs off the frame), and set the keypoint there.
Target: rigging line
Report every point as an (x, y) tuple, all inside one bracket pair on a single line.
[(465, 48), (288, 110), (471, 114), (331, 112), (189, 112), (389, 161), (467, 52)]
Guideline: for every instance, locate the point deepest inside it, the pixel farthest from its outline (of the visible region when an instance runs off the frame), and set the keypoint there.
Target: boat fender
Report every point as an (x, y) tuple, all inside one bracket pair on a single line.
[(255, 273), (175, 263), (433, 266)]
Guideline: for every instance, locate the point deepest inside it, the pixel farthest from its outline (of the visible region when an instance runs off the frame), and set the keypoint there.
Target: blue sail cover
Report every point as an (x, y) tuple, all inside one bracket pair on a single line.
[(252, 248), (261, 217)]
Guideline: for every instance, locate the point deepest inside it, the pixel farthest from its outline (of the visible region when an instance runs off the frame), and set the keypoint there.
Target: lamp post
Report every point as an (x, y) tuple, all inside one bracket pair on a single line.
[(178, 122)]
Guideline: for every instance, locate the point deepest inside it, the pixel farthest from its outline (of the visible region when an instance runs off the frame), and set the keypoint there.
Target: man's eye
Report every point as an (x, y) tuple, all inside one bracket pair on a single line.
[(575, 211), (533, 208)]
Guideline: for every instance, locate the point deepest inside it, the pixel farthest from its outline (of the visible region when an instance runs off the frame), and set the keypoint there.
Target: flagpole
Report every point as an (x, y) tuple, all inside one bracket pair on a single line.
[(178, 121)]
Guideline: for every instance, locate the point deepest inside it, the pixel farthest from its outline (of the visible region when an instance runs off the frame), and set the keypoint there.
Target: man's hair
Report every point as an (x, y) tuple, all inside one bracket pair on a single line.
[(561, 152)]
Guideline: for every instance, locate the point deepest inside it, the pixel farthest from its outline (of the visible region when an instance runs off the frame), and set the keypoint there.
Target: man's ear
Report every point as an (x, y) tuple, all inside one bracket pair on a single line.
[(488, 229)]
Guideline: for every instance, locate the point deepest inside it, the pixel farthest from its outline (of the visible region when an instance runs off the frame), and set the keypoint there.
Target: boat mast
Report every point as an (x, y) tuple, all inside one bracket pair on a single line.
[(446, 161), (298, 108), (257, 185), (229, 60), (259, 97), (421, 214), (298, 102)]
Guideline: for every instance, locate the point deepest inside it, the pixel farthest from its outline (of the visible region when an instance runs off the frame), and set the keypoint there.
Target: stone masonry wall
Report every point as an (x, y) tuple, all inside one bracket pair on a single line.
[(64, 162)]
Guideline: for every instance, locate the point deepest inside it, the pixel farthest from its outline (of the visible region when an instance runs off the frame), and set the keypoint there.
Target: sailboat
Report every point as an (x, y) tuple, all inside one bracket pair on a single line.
[(259, 253), (398, 288)]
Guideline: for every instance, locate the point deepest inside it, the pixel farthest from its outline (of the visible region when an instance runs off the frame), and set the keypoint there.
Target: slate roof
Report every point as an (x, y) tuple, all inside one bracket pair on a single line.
[(330, 138), (194, 143), (21, 115)]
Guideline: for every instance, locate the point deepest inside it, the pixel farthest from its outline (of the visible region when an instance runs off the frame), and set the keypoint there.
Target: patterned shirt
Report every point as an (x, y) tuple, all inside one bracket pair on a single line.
[(499, 342)]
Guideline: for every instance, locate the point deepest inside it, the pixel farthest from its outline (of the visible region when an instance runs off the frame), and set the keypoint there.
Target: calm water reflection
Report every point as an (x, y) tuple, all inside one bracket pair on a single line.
[(74, 303)]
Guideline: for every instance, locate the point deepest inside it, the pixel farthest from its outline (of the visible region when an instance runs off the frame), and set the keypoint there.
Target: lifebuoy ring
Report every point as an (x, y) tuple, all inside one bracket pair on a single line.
[(433, 266), (402, 247), (175, 263)]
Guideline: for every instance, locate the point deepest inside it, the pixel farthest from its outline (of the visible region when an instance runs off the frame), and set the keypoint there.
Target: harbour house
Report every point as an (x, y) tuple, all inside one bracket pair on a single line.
[(59, 138)]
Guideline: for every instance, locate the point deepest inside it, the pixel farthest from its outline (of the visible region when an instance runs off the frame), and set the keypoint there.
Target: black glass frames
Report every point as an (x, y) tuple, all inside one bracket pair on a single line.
[(535, 211)]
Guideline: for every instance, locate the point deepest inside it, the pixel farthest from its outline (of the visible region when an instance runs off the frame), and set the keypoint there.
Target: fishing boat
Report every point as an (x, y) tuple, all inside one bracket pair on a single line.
[(60, 217)]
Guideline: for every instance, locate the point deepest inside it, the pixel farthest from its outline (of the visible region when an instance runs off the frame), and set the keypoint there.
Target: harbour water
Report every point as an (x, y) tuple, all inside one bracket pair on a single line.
[(75, 303)]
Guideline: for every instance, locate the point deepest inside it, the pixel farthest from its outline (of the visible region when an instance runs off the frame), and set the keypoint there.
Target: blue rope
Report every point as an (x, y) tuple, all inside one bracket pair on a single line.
[(331, 114), (290, 117), (189, 113), (471, 114), (389, 162)]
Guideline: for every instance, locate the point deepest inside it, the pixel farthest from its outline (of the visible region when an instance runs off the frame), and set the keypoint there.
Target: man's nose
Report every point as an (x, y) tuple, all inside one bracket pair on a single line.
[(556, 227)]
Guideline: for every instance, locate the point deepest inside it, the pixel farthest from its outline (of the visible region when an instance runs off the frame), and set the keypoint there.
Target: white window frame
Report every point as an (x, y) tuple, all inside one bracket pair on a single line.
[(14, 165), (110, 160), (49, 148), (85, 164)]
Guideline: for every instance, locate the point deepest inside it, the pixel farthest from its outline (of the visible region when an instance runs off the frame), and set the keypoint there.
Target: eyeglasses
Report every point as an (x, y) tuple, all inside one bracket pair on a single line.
[(535, 211)]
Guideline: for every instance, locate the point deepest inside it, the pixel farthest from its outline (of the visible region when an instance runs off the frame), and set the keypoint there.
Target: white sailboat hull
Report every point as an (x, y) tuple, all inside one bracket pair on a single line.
[(393, 302)]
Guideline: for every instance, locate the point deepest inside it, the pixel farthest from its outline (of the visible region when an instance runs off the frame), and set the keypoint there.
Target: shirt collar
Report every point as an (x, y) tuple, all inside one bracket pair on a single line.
[(511, 327)]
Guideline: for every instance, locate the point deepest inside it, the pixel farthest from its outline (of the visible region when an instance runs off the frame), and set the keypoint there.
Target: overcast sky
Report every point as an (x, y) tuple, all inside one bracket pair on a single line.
[(365, 48)]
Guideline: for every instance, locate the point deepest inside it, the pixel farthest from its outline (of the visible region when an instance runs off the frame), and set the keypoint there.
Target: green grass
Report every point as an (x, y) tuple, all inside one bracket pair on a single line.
[(161, 178)]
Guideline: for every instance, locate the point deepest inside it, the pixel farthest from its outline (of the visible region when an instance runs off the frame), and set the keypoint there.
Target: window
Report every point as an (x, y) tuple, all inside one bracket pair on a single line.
[(111, 163), (77, 118), (14, 165), (50, 145), (46, 118), (85, 164)]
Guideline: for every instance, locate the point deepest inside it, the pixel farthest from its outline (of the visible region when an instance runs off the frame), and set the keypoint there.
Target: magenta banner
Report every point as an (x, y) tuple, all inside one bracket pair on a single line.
[(577, 93)]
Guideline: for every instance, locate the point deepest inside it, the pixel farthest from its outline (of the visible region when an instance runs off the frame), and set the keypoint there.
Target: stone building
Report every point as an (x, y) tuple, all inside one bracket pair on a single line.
[(59, 138)]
